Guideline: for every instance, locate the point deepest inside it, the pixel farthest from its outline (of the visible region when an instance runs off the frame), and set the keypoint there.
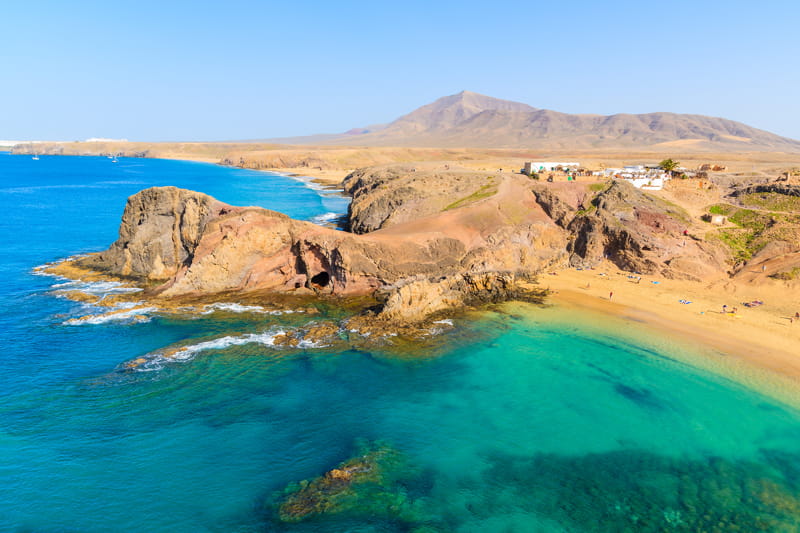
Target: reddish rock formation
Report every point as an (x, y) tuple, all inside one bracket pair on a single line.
[(469, 239), (198, 245)]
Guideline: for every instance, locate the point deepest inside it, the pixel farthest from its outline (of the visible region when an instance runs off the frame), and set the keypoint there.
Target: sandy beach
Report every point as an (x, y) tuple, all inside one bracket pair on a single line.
[(763, 337)]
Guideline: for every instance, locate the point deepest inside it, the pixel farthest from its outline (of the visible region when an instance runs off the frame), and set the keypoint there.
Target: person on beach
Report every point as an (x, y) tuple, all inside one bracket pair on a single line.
[(724, 309), (610, 295)]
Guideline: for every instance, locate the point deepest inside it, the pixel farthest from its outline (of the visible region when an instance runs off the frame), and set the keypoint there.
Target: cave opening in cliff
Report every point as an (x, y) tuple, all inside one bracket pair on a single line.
[(322, 279)]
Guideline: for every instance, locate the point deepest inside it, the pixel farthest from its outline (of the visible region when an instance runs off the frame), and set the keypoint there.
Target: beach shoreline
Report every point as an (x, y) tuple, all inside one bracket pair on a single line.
[(763, 338), (752, 341)]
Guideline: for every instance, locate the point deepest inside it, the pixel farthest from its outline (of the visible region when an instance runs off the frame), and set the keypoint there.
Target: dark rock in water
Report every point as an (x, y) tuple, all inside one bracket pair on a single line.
[(368, 484), (641, 397), (638, 491)]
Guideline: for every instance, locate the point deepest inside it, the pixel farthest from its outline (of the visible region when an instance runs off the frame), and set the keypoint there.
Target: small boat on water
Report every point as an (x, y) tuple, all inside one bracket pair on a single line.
[(35, 158)]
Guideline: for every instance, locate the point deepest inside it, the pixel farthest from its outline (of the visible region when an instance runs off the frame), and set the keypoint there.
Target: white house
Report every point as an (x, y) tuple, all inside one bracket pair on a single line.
[(549, 166)]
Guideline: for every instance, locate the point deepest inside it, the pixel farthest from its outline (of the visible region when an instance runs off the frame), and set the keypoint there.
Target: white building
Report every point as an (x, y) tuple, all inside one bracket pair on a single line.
[(549, 166)]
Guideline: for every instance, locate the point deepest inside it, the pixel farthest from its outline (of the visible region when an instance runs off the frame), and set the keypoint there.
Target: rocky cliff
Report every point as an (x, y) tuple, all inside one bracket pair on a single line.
[(388, 195), (195, 245), (159, 233), (640, 233), (431, 240)]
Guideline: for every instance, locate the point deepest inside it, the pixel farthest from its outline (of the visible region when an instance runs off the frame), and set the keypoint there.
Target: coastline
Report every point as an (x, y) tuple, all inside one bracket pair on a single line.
[(757, 347), (761, 338)]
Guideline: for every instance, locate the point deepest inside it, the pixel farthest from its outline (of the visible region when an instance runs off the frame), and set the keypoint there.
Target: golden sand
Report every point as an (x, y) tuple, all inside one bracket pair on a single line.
[(752, 340)]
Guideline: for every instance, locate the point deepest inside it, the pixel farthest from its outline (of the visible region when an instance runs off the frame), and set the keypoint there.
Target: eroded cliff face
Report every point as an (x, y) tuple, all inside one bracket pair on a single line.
[(389, 195), (641, 233), (464, 243), (196, 245), (160, 230)]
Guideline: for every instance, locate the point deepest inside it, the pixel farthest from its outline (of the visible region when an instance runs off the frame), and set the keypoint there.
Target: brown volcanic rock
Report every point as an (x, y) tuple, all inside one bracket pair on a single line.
[(388, 195), (640, 233), (203, 246), (160, 230), (422, 261)]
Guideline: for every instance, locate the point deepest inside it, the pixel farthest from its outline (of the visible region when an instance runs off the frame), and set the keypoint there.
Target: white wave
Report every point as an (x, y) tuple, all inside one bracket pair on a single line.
[(41, 270), (136, 314), (444, 321), (96, 288), (308, 181), (156, 360), (241, 308), (187, 352), (325, 218)]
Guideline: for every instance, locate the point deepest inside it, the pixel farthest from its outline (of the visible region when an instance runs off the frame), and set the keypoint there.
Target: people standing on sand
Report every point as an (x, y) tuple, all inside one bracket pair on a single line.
[(610, 295), (724, 309), (763, 268), (734, 310)]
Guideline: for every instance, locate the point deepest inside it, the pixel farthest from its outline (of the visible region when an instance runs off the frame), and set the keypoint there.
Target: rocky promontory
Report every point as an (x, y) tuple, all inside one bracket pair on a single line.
[(184, 243), (424, 240)]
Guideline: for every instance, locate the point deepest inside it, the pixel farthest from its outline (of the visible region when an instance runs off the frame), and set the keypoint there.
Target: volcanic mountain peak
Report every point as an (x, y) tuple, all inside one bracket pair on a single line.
[(472, 120)]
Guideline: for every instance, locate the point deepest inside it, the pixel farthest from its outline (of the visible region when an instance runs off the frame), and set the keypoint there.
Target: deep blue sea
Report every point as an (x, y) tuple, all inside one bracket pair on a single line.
[(524, 424)]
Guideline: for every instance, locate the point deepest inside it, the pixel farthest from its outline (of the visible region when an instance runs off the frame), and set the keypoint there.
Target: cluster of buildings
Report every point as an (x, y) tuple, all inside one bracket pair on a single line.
[(647, 177)]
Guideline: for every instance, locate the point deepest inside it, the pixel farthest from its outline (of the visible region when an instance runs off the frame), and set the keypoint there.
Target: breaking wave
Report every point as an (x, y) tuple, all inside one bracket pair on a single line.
[(122, 313), (242, 308), (157, 360), (96, 288), (325, 218)]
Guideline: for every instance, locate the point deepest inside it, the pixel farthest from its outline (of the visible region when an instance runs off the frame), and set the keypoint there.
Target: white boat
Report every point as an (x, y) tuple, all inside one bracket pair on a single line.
[(35, 158)]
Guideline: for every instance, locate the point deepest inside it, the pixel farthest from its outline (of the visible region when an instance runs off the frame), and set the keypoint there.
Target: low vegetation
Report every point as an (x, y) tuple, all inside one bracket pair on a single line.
[(787, 275), (485, 191), (721, 209), (755, 229), (772, 201)]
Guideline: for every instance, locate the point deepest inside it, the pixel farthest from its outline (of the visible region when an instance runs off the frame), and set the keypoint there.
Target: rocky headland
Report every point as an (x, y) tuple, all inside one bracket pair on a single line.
[(424, 240)]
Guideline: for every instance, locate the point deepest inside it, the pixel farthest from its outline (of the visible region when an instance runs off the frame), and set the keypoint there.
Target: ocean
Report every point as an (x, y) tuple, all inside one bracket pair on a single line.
[(522, 423)]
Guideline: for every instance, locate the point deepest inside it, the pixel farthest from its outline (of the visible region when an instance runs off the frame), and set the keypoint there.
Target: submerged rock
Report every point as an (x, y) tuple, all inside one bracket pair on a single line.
[(366, 485)]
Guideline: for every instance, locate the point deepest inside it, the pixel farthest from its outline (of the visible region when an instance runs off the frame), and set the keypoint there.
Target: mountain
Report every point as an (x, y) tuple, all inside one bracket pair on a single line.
[(474, 120)]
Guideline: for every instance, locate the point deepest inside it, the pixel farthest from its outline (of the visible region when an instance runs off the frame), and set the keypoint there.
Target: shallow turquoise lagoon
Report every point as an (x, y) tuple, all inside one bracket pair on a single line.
[(522, 425)]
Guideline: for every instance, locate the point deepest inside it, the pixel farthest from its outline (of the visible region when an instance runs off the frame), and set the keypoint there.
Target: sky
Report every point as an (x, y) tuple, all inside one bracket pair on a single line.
[(200, 70)]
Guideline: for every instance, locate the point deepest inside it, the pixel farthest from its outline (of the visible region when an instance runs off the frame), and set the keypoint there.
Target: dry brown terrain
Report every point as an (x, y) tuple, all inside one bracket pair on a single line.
[(333, 163)]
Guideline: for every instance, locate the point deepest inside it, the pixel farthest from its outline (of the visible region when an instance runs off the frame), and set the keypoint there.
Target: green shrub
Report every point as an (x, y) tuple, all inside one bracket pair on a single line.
[(787, 275)]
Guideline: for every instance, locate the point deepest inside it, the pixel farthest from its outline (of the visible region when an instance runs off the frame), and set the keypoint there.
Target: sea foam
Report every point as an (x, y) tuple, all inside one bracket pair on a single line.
[(232, 307), (133, 315)]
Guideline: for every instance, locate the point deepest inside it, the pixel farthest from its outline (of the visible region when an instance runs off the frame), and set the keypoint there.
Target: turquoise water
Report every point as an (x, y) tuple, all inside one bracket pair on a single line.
[(522, 425)]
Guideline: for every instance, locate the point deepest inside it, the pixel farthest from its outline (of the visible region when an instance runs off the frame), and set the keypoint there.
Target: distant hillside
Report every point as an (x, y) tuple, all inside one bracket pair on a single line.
[(473, 120)]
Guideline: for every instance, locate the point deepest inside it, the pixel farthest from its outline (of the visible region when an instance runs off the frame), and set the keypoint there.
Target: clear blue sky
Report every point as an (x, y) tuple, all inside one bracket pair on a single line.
[(198, 70)]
